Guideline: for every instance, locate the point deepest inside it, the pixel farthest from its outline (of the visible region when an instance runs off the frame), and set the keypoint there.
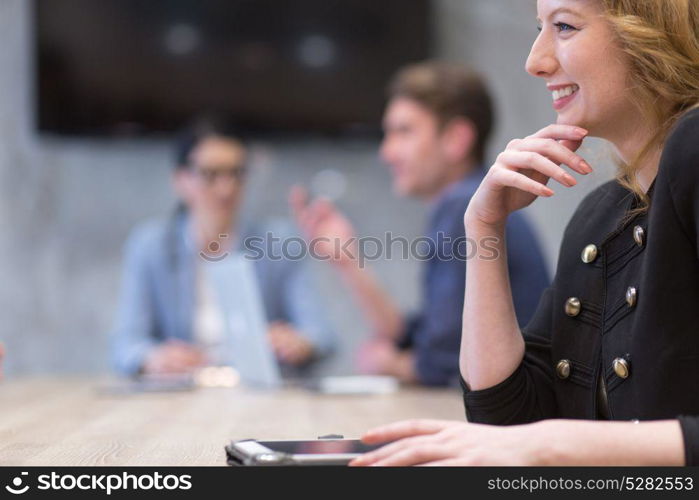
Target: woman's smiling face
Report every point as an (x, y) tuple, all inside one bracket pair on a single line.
[(585, 69)]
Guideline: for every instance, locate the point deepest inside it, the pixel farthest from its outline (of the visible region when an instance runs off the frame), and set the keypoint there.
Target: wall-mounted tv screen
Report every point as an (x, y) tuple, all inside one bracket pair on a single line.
[(114, 67)]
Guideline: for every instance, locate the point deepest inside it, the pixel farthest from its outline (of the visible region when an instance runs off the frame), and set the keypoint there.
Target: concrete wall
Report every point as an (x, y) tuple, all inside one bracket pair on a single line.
[(67, 205)]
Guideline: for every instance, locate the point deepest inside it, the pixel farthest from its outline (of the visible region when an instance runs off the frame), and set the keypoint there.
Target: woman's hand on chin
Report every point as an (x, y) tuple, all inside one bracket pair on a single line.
[(520, 173)]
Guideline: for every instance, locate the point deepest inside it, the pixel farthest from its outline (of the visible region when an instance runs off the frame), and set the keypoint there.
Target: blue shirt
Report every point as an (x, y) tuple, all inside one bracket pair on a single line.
[(434, 334), (158, 291)]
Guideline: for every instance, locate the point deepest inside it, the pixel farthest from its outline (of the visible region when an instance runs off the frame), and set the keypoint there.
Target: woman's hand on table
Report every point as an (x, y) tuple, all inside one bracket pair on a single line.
[(453, 443)]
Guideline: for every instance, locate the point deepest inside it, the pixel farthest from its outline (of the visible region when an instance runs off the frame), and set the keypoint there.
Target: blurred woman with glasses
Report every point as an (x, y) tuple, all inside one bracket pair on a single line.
[(169, 320)]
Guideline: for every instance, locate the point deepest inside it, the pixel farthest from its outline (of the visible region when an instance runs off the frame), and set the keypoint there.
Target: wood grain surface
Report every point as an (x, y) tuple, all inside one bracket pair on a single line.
[(64, 421)]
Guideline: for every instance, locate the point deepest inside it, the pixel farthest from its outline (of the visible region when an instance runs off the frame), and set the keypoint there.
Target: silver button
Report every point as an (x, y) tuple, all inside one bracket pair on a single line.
[(639, 235), (621, 367), (563, 369), (631, 296), (573, 306), (589, 254)]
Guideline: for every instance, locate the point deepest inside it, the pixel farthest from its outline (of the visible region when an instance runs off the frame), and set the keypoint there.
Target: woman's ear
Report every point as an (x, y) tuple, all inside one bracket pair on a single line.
[(459, 139)]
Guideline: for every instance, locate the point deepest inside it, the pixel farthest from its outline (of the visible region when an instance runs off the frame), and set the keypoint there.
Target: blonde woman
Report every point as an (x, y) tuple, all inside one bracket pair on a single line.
[(605, 372)]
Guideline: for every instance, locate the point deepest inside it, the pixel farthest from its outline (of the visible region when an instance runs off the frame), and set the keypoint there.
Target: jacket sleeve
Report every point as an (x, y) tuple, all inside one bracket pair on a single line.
[(527, 394), (131, 336), (690, 435), (682, 149)]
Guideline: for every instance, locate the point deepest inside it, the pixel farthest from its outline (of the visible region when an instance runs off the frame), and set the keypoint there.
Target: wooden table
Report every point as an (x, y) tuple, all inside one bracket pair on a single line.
[(54, 422)]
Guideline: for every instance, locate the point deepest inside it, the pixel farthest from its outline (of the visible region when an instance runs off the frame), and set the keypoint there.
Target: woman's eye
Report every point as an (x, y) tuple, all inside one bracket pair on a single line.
[(564, 27)]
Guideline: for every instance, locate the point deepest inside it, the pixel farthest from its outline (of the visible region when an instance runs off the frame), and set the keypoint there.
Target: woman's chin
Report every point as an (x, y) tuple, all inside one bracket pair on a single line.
[(564, 119)]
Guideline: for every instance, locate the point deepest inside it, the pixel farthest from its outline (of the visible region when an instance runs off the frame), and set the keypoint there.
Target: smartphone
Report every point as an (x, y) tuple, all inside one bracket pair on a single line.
[(310, 452)]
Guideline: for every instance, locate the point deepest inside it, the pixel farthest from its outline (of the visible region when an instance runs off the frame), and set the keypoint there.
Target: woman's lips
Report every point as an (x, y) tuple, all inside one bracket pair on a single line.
[(563, 96)]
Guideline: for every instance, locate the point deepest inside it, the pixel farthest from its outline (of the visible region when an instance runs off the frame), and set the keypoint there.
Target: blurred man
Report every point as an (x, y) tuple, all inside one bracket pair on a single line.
[(169, 319), (436, 125)]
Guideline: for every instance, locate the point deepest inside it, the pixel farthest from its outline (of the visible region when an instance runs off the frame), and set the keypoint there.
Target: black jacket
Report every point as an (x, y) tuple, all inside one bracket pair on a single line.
[(626, 309)]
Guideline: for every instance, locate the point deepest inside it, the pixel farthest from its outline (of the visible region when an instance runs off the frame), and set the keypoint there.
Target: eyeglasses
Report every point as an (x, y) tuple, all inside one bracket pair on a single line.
[(208, 175)]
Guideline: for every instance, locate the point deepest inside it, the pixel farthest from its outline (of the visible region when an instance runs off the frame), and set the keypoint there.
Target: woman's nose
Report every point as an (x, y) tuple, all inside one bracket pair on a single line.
[(542, 60)]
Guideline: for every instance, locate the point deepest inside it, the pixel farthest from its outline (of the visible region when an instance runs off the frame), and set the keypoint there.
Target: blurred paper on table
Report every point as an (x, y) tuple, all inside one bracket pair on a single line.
[(364, 384)]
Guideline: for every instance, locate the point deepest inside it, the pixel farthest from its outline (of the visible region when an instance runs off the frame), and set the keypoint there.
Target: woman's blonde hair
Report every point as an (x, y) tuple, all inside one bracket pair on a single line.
[(661, 40)]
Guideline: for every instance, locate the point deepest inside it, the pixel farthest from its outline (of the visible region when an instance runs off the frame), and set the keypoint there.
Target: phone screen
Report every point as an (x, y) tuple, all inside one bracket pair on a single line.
[(319, 447)]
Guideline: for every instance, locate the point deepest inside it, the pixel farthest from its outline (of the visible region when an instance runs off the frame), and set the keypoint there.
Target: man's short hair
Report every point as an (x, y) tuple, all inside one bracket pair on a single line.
[(449, 91)]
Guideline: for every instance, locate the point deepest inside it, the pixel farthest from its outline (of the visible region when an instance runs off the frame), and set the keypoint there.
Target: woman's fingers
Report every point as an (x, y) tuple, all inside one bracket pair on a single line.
[(561, 133), (414, 455), (534, 161), (568, 136), (390, 450), (572, 145), (414, 442), (554, 151), (510, 178), (403, 429), (447, 462)]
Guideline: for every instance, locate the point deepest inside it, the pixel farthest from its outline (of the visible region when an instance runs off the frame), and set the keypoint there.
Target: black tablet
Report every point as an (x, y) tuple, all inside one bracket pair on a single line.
[(311, 452)]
